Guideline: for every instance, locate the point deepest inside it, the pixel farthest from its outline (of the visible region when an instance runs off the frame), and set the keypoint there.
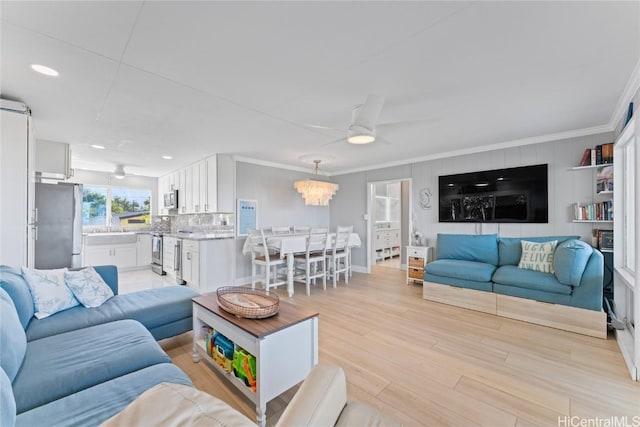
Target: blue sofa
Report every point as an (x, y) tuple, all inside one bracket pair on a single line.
[(489, 263), (83, 365), (165, 312)]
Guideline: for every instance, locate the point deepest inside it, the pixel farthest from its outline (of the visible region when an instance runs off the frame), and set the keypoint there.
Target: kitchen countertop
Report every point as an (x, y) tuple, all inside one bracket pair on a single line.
[(212, 235), (202, 235)]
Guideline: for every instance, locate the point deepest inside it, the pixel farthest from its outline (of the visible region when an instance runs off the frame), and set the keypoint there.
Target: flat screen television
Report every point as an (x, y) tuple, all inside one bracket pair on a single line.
[(501, 195)]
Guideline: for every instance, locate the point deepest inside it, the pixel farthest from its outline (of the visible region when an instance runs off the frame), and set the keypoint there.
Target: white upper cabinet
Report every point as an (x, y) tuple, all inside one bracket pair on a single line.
[(53, 159), (211, 191), (205, 186), (187, 191)]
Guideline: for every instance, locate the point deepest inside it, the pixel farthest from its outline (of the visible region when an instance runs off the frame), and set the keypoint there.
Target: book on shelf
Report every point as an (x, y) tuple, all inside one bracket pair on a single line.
[(607, 153), (603, 239), (598, 155), (593, 157), (602, 211), (586, 158)]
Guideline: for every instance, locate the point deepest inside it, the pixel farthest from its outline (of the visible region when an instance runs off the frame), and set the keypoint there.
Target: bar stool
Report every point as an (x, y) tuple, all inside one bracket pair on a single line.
[(268, 260)]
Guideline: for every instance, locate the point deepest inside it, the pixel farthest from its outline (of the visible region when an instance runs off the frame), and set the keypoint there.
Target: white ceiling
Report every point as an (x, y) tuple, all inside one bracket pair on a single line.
[(191, 79)]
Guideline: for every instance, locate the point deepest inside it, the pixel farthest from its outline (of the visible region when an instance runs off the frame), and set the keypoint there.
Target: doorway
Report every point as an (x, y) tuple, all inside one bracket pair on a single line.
[(389, 225)]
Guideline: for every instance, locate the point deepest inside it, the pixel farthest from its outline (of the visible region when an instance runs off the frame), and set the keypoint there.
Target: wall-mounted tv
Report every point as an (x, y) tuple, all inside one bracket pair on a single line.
[(500, 195)]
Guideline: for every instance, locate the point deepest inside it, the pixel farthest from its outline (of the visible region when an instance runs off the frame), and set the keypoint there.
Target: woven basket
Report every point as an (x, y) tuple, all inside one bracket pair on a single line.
[(246, 302)]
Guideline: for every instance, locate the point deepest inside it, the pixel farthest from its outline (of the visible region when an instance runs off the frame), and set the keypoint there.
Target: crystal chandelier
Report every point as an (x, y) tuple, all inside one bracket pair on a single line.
[(316, 193)]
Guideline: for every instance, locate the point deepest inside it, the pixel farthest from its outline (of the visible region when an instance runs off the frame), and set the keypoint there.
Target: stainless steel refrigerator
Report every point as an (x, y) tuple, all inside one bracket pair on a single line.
[(58, 231)]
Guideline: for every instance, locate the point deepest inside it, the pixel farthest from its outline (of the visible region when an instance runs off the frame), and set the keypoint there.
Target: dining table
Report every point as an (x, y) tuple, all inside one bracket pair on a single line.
[(289, 245)]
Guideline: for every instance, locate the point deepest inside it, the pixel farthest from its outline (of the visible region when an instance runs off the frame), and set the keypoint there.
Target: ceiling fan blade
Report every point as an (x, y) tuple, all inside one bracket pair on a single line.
[(382, 140), (320, 127), (407, 123), (367, 115), (343, 139)]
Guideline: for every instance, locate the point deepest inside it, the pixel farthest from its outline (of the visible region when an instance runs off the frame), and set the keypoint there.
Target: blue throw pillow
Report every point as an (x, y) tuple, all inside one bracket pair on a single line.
[(88, 287), (468, 247), (49, 290), (510, 248), (570, 260)]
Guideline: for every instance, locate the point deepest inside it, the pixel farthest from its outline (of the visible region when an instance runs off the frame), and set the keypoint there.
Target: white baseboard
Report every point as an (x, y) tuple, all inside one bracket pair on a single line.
[(359, 269), (240, 281)]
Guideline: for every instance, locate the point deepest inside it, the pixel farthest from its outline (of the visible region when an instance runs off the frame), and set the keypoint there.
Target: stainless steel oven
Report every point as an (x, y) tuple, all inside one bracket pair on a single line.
[(156, 253)]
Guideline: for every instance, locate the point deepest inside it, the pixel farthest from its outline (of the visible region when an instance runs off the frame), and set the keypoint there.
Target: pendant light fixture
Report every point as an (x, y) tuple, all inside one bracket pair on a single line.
[(316, 193)]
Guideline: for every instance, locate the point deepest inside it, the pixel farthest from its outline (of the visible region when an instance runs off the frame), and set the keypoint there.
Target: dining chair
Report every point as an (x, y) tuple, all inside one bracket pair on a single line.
[(349, 229), (312, 264), (338, 256), (301, 229), (279, 231), (266, 259), (320, 230)]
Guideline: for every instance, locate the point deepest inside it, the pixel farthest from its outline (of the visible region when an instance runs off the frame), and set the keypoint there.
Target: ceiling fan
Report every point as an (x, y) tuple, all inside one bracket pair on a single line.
[(364, 123)]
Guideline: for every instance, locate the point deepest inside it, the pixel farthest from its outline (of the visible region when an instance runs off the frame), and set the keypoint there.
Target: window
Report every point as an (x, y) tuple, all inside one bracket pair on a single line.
[(94, 206), (387, 203), (625, 220), (115, 207), (629, 214), (626, 226)]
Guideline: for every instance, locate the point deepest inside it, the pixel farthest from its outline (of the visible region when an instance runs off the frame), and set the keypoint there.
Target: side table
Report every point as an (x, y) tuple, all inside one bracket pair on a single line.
[(417, 258)]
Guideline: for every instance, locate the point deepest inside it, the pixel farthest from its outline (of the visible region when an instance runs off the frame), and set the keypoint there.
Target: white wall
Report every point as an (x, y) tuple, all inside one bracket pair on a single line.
[(279, 204), (565, 188)]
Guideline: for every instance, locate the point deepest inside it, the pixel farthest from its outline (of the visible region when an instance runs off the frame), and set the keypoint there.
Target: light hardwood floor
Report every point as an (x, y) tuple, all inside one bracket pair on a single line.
[(433, 364)]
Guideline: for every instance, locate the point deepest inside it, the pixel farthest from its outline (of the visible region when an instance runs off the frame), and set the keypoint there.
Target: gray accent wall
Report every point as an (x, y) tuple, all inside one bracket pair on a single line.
[(566, 187), (279, 204)]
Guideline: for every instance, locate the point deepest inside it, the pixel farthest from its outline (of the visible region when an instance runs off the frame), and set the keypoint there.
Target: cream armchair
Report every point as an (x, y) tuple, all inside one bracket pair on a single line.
[(322, 401)]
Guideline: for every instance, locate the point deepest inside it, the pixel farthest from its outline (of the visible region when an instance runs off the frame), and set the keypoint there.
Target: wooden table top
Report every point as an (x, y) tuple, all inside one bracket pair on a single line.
[(288, 315)]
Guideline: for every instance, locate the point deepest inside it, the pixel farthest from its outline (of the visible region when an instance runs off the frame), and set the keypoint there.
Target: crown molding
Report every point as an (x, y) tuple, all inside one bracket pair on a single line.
[(499, 146), (275, 165), (627, 95)]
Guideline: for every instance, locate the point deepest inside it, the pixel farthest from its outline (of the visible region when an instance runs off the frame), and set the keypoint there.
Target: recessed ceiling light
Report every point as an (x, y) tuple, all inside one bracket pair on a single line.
[(44, 70), (482, 184), (96, 146), (167, 157)]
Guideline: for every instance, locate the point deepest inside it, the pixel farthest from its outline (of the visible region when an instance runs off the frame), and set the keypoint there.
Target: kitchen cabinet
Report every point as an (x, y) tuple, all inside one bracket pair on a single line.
[(188, 191), (143, 250), (208, 264), (122, 256), (168, 255), (53, 159), (211, 179), (205, 186), (191, 263)]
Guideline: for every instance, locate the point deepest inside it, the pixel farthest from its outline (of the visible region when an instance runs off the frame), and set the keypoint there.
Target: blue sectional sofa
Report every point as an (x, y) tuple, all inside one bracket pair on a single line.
[(481, 272), (165, 312), (83, 365)]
